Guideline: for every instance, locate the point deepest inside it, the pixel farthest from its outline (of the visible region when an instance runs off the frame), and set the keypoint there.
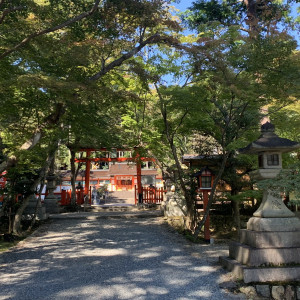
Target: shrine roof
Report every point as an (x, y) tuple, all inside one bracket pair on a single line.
[(188, 157), (200, 160)]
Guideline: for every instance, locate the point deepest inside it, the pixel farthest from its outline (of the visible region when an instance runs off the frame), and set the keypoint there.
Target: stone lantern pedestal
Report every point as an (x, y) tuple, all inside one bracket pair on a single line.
[(269, 249), (34, 207), (51, 201)]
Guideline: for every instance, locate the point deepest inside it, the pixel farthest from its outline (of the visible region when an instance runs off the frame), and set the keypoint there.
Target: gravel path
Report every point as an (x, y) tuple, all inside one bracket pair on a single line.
[(96, 256)]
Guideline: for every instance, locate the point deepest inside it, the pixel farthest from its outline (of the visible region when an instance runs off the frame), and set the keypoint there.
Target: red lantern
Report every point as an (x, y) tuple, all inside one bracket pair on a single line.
[(205, 181)]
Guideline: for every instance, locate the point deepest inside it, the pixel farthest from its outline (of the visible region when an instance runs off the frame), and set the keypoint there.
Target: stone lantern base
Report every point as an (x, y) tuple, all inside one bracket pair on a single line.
[(269, 249), (51, 204), (34, 207)]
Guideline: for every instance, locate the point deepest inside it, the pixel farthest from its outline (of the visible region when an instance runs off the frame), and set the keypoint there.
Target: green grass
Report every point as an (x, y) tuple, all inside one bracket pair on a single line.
[(4, 246)]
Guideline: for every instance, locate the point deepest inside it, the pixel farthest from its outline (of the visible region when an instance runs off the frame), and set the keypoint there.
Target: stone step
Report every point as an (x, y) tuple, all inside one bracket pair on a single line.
[(233, 266), (263, 239), (101, 208), (251, 256), (122, 208), (265, 275)]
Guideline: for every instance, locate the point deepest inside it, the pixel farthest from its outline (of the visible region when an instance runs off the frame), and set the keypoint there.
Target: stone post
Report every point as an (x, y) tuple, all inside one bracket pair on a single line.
[(51, 201)]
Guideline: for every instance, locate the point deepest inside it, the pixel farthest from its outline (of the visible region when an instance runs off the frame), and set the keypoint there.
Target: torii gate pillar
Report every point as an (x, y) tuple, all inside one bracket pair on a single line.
[(87, 173), (139, 178), (139, 181)]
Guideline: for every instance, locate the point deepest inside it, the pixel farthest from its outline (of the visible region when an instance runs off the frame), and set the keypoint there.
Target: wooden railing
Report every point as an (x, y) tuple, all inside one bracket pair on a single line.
[(66, 197), (150, 195)]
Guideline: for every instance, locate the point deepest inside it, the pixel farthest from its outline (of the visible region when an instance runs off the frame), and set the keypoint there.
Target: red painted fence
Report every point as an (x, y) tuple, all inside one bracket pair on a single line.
[(66, 197), (150, 195)]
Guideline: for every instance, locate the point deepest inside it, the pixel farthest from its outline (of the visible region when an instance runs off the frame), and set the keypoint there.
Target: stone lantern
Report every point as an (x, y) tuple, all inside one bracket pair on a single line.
[(269, 148), (51, 201), (269, 249)]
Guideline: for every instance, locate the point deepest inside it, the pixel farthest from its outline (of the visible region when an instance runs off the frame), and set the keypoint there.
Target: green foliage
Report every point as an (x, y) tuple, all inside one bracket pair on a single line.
[(84, 85), (42, 73), (236, 73), (47, 88), (287, 121), (268, 15), (5, 246), (203, 12), (63, 156), (287, 181), (101, 190), (246, 195)]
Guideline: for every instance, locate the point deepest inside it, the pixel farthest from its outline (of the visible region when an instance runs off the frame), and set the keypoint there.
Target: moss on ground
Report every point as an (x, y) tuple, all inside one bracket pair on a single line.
[(9, 241)]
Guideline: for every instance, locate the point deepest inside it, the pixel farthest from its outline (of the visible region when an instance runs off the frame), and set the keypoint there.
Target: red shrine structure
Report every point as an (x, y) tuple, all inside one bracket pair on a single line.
[(117, 169)]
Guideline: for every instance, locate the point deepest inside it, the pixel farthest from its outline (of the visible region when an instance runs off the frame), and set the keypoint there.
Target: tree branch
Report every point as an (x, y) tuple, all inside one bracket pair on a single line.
[(52, 29), (116, 63), (36, 137), (9, 10), (180, 122)]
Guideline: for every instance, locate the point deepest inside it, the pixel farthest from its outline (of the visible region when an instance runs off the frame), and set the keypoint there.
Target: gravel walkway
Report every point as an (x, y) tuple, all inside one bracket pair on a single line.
[(105, 256)]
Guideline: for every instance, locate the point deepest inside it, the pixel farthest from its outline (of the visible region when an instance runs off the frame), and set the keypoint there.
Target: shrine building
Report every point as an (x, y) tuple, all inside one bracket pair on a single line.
[(116, 169)]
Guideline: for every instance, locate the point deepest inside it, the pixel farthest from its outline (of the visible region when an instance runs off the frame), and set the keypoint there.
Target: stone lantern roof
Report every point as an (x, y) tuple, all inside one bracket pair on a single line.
[(270, 141)]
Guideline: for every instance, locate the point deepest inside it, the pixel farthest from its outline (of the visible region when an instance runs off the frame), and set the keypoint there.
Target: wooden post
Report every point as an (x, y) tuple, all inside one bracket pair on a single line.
[(87, 173), (63, 199), (206, 224), (69, 195), (139, 179), (90, 195)]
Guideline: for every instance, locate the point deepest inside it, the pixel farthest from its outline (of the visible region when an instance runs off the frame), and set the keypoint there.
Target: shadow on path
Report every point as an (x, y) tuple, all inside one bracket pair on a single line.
[(111, 259)]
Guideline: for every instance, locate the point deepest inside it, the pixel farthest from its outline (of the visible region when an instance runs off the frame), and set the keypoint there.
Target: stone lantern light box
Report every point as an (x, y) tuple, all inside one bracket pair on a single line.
[(269, 148)]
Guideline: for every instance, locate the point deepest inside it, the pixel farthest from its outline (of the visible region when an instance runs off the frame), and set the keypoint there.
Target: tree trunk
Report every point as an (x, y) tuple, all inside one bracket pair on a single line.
[(42, 174), (236, 210), (190, 221), (252, 19), (38, 202)]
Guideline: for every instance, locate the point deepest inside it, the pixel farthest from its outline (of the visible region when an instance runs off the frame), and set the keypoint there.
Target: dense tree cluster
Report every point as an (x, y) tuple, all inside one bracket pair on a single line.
[(110, 73)]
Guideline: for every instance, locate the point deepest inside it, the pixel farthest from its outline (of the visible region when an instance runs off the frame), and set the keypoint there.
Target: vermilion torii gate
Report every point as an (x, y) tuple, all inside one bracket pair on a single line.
[(88, 159)]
